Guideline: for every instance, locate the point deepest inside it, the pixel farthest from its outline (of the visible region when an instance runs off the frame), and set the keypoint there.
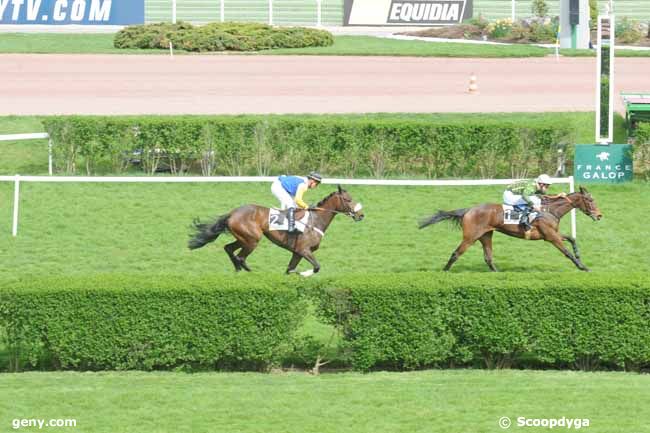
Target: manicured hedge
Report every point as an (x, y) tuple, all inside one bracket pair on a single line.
[(353, 145), (220, 37), (554, 320), (113, 322), (642, 149)]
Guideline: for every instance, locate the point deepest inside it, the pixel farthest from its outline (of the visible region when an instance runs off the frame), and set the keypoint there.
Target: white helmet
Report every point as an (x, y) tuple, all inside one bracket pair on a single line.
[(544, 178)]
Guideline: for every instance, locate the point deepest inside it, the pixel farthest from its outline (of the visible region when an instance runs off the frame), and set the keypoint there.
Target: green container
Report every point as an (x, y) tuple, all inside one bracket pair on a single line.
[(596, 163)]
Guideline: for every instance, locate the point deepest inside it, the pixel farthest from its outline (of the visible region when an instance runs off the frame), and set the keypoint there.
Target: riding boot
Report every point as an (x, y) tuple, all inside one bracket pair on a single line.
[(524, 222), (291, 218)]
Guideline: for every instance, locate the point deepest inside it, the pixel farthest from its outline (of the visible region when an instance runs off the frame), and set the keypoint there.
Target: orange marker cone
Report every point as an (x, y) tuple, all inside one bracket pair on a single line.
[(473, 87)]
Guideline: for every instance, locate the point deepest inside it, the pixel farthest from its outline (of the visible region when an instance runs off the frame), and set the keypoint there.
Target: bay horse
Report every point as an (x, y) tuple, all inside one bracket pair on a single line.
[(249, 223), (480, 222)]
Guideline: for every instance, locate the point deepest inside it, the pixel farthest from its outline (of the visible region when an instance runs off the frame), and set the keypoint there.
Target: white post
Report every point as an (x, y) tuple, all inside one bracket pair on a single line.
[(514, 11), (49, 156), (572, 188), (14, 228), (270, 12), (319, 21), (173, 11), (222, 10)]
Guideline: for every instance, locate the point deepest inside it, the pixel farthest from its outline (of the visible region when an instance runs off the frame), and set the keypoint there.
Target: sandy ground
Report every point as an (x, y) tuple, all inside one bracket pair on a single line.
[(131, 84)]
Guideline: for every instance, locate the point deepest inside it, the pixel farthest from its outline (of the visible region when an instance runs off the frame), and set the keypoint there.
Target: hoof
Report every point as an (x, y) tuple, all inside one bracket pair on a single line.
[(308, 273)]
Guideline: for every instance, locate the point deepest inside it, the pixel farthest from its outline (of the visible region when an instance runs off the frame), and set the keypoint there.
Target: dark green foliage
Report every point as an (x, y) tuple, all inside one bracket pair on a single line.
[(423, 320), (370, 145), (220, 37), (115, 322)]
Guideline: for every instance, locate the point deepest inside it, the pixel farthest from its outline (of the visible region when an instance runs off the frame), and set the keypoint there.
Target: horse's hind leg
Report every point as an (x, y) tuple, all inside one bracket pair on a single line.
[(245, 251), (486, 241), (467, 242), (230, 250)]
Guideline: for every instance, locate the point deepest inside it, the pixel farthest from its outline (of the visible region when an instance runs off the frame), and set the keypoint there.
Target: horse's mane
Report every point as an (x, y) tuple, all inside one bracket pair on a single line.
[(320, 203)]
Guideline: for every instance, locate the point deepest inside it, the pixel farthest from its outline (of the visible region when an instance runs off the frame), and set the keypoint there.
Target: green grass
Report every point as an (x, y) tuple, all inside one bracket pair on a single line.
[(432, 401), (40, 43), (143, 228)]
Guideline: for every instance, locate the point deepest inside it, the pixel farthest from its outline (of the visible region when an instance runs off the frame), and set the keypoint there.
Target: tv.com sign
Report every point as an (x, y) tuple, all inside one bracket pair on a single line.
[(56, 12)]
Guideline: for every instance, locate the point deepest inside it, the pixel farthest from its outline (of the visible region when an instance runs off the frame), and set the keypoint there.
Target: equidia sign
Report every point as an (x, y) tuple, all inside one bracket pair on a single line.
[(57, 12), (406, 12)]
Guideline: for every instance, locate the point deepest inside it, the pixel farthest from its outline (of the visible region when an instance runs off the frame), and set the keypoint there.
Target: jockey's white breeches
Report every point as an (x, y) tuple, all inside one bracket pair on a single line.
[(286, 201), (516, 200)]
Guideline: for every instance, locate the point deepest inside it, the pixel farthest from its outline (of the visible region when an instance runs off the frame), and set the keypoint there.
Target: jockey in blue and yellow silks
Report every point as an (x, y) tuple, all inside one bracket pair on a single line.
[(290, 190)]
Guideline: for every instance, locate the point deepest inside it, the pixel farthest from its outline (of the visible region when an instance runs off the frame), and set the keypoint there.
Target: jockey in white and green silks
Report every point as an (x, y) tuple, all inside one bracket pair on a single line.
[(290, 190), (525, 195)]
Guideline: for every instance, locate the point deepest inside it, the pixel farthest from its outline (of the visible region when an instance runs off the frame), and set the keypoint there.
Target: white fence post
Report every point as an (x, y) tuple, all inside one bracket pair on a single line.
[(319, 21), (514, 11), (49, 156), (14, 227), (173, 11), (222, 10), (270, 12), (572, 188)]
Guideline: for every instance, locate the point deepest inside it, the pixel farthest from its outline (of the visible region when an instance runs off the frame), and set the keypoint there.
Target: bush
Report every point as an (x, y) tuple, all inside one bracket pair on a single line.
[(642, 149), (539, 8), (375, 145), (121, 322), (408, 321), (220, 37), (628, 31), (500, 28)]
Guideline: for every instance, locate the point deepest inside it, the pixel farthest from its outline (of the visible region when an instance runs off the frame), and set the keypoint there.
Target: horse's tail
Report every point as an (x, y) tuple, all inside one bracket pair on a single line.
[(208, 232), (455, 215)]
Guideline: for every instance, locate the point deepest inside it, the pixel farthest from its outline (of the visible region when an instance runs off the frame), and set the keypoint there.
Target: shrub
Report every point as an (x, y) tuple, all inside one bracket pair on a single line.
[(642, 149), (628, 31), (411, 321), (539, 8), (158, 322), (377, 145), (500, 28), (220, 37)]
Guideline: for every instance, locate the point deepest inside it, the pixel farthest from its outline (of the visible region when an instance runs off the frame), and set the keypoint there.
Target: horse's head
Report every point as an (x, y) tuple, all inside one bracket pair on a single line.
[(347, 205), (587, 204)]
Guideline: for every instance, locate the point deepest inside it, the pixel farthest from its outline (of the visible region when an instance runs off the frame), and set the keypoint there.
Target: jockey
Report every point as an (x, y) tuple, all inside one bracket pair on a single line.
[(524, 196), (290, 189)]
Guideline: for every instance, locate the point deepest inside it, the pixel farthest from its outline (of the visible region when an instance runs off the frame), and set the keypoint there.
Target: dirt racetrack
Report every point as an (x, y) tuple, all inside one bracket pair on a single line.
[(215, 84)]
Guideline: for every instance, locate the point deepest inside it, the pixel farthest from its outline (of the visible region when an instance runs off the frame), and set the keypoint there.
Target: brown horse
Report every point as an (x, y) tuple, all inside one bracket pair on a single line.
[(479, 222), (248, 223)]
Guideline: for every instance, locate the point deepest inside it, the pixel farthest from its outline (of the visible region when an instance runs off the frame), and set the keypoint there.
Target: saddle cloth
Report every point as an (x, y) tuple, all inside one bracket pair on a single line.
[(278, 220), (512, 215)]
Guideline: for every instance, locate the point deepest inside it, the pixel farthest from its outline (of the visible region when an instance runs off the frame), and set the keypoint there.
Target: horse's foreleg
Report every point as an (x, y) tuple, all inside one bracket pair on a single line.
[(557, 241), (458, 252), (574, 245), (295, 259), (486, 241)]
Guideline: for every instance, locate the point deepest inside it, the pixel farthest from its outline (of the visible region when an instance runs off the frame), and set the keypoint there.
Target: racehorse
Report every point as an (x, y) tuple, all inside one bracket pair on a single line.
[(479, 223), (248, 223)]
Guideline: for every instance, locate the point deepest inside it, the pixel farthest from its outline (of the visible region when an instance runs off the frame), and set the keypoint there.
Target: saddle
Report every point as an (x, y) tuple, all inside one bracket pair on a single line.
[(513, 214)]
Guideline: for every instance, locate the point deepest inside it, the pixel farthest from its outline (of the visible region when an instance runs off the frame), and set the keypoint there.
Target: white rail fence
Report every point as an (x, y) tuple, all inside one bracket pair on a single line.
[(33, 136), (17, 180)]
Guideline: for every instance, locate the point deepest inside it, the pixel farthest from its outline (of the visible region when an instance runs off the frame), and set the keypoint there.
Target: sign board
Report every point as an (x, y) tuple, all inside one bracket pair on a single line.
[(80, 12), (603, 164), (406, 12)]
